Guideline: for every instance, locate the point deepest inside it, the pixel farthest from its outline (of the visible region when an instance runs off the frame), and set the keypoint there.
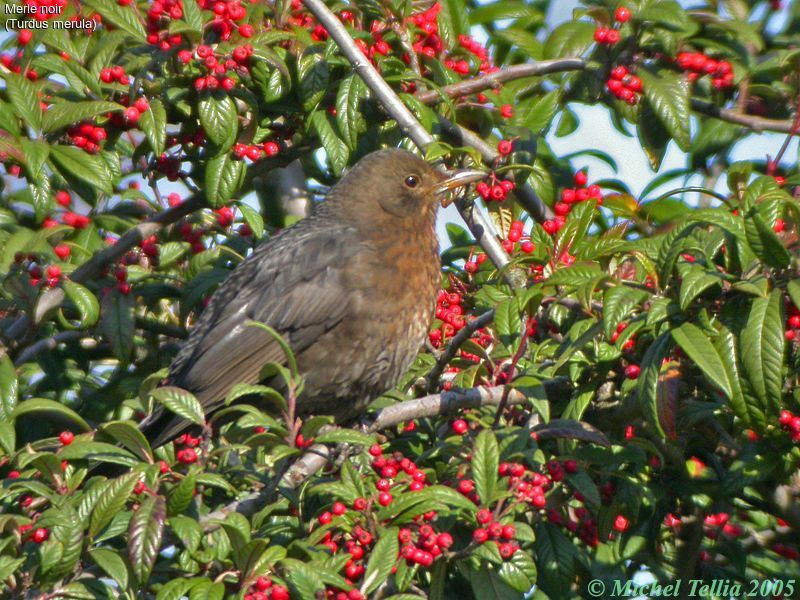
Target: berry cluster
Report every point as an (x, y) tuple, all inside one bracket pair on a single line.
[(394, 470), (421, 544), (629, 343), (611, 36), (790, 423), (624, 86), (159, 16), (265, 589), (427, 42), (720, 523), (219, 70), (44, 10), (255, 151), (792, 321), (478, 50), (187, 453), (87, 135), (496, 190), (501, 535), (115, 73), (569, 197), (698, 64), (516, 234)]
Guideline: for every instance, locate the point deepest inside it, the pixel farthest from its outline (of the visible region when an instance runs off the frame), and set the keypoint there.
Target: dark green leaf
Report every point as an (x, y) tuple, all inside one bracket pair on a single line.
[(224, 176), (381, 560), (699, 348), (762, 345), (485, 461), (219, 119), (180, 402), (118, 324), (144, 536)]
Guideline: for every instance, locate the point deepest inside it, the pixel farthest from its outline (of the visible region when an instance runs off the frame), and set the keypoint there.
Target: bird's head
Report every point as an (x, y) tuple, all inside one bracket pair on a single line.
[(399, 183)]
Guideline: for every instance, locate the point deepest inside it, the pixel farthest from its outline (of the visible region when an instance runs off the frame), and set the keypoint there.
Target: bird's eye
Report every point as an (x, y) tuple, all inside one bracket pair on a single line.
[(412, 181)]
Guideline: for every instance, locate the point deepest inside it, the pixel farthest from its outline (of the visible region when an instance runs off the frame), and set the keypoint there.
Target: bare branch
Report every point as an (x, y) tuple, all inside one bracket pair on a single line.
[(753, 122), (494, 80)]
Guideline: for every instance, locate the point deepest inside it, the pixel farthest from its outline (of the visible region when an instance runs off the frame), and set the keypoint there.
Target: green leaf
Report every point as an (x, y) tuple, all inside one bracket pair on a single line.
[(219, 119), (74, 163), (344, 436), (507, 321), (50, 410), (696, 280), (253, 219), (127, 434), (112, 563), (485, 461), (305, 582), (540, 112), (555, 560), (180, 402), (123, 17), (153, 122), (314, 76), (765, 244), (570, 39), (223, 178), (118, 324), (85, 302), (381, 560), (750, 414), (193, 16), (668, 94), (144, 536), (64, 114), (762, 345), (699, 348), (9, 388), (322, 124), (349, 116), (181, 495), (618, 302), (112, 500), (519, 572), (24, 98), (647, 386)]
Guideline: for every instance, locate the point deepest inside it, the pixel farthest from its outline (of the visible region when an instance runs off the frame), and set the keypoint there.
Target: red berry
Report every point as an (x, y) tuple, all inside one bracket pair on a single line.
[(131, 115), (632, 371), (484, 516), (279, 593), (62, 251), (622, 14), (460, 426), (480, 536), (375, 450), (779, 225), (444, 540), (40, 535), (187, 456), (601, 35), (325, 518), (66, 438), (619, 72), (527, 247), (24, 37), (504, 147), (338, 508), (506, 111), (385, 498), (613, 37), (466, 486), (359, 504), (581, 178), (63, 198), (794, 321), (621, 523)]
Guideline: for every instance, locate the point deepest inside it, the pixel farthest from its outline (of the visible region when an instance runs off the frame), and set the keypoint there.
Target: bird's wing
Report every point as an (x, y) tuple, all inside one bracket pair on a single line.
[(293, 283)]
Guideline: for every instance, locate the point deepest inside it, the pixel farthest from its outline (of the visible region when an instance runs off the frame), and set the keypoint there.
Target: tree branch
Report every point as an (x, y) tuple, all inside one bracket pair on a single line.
[(455, 344), (477, 222), (496, 79), (513, 72), (318, 455)]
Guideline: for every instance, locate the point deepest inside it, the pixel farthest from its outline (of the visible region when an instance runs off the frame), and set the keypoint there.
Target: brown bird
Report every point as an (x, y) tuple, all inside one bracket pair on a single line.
[(351, 288)]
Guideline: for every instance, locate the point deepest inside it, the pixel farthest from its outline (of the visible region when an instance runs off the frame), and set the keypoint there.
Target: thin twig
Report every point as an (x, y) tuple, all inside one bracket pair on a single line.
[(455, 344), (494, 80)]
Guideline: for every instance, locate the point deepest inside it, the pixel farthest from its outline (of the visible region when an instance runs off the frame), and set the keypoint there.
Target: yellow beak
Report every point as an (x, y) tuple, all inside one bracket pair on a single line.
[(457, 179)]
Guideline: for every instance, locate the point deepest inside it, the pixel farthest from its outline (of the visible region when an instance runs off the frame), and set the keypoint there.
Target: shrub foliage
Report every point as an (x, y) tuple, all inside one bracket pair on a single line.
[(610, 384)]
